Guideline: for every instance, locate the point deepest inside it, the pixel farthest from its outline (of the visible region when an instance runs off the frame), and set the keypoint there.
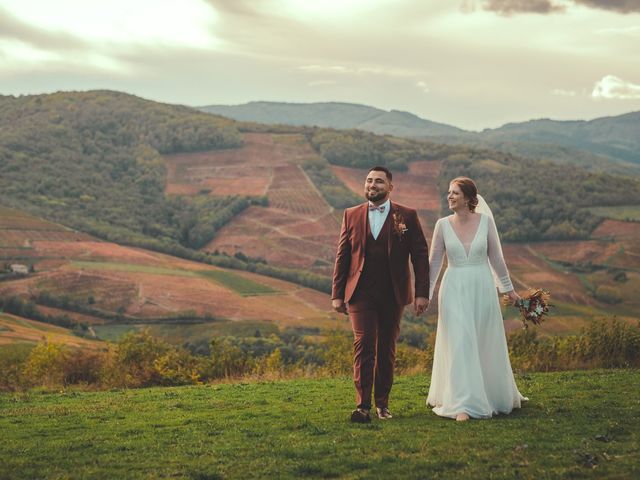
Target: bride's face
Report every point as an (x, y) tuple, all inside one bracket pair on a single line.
[(456, 198)]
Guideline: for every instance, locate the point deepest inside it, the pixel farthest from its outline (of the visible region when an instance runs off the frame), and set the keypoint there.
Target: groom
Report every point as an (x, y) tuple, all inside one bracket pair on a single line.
[(371, 282)]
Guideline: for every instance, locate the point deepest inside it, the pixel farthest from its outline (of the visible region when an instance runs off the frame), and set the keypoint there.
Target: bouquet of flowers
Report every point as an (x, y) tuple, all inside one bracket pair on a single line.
[(533, 306)]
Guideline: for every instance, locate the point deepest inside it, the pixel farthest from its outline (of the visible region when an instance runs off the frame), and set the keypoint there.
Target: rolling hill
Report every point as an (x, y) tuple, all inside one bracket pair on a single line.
[(112, 288), (334, 115), (299, 229), (603, 144), (157, 201)]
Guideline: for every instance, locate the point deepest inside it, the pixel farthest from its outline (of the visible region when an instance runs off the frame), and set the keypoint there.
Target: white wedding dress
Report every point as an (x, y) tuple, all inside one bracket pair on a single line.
[(471, 368)]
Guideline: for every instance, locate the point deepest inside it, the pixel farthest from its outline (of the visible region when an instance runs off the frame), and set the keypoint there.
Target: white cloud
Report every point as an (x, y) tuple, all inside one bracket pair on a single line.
[(324, 68), (320, 83), (563, 93), (122, 22), (613, 87), (20, 56), (635, 30), (423, 86), (355, 70)]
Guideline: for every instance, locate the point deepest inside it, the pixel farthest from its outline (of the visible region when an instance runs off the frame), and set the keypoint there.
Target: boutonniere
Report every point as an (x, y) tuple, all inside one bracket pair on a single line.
[(399, 227)]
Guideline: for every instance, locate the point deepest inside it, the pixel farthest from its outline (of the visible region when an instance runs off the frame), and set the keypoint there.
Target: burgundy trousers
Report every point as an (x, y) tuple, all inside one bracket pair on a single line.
[(375, 321)]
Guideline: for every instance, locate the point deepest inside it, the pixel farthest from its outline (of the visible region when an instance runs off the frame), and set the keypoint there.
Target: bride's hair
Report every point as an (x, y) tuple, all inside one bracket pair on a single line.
[(469, 190)]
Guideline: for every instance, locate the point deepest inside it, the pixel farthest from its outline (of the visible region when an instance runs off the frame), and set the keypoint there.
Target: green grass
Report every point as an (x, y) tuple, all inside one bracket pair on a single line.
[(233, 281), (192, 332), (625, 213), (238, 283), (132, 267), (576, 425), (24, 323)]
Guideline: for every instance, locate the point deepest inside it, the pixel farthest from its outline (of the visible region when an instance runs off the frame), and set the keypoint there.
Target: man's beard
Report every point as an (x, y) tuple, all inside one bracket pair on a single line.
[(375, 196)]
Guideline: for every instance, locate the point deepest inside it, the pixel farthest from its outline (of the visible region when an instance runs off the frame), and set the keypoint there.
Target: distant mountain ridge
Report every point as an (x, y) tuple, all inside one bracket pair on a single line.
[(607, 143), (334, 115)]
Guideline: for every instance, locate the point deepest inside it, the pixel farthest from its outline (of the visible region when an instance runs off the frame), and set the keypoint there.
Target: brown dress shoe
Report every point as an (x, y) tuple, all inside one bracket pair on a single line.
[(360, 415), (383, 413)]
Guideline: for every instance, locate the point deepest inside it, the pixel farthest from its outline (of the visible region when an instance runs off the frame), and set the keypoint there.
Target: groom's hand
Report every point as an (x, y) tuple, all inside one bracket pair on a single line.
[(339, 305), (420, 305)]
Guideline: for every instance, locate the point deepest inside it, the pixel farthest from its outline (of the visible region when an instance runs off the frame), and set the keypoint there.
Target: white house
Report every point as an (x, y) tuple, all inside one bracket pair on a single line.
[(19, 268)]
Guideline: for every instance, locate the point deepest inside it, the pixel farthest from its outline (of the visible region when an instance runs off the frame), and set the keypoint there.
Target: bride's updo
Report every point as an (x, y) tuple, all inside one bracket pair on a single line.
[(469, 190)]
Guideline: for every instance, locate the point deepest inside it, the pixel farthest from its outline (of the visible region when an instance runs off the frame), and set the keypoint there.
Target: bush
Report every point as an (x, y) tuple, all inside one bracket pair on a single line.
[(338, 353), (45, 365), (12, 360), (603, 344), (608, 294), (610, 344)]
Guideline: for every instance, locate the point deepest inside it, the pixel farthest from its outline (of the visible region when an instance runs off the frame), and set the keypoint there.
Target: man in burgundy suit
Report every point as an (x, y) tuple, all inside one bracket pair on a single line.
[(372, 283)]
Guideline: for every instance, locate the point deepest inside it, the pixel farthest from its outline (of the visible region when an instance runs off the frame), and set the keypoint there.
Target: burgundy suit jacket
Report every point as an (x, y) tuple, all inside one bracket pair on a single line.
[(403, 246)]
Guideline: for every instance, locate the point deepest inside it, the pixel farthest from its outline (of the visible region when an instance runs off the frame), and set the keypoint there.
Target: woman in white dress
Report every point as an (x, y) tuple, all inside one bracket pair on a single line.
[(472, 375)]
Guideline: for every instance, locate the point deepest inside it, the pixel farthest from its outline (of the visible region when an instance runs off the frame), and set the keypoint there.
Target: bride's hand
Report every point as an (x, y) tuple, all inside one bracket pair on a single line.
[(513, 296)]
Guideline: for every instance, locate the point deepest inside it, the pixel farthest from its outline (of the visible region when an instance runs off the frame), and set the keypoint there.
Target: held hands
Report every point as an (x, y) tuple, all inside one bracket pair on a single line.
[(420, 305), (339, 305)]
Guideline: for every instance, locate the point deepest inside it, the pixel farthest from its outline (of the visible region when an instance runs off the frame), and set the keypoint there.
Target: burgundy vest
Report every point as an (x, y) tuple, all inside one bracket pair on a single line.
[(375, 278)]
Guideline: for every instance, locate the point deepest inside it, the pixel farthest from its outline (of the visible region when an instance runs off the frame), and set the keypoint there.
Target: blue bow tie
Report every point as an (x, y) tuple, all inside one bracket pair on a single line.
[(373, 208)]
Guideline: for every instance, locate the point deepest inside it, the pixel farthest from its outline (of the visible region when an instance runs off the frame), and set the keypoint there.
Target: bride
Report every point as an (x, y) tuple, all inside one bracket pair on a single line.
[(472, 375)]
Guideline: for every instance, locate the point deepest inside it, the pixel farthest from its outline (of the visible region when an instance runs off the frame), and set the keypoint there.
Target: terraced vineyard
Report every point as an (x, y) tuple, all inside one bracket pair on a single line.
[(137, 284)]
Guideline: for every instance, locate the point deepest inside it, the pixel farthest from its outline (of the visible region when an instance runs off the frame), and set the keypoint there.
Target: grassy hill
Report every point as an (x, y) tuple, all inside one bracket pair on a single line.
[(110, 166), (78, 279), (576, 425), (14, 330)]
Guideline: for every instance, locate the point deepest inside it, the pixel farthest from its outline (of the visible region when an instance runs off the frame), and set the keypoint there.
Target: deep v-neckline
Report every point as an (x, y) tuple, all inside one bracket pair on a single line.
[(460, 241)]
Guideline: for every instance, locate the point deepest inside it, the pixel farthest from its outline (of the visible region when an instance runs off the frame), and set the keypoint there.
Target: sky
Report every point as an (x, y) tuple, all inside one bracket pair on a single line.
[(474, 64)]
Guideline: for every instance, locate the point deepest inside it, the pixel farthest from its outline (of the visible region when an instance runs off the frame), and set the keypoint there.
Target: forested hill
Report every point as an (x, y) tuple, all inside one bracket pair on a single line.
[(532, 199), (92, 161), (605, 144), (615, 137)]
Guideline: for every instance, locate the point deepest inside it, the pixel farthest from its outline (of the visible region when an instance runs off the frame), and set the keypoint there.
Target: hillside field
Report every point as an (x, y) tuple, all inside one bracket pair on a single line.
[(581, 424), (290, 233), (144, 286)]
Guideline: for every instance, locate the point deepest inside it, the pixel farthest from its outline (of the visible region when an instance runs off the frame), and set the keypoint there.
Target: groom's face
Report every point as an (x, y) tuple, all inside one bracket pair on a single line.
[(377, 187)]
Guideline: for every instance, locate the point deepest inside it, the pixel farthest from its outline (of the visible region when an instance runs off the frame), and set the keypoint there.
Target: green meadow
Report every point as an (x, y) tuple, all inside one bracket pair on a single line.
[(230, 280), (582, 424)]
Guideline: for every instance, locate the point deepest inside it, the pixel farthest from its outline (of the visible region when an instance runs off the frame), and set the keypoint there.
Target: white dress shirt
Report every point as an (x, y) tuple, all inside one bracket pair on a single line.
[(377, 218)]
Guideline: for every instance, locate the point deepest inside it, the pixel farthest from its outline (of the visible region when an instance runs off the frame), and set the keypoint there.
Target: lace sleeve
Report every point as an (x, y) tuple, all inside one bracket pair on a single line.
[(496, 259), (436, 256)]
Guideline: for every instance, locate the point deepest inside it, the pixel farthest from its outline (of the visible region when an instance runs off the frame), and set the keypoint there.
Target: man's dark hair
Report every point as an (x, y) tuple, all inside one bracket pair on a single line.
[(386, 171)]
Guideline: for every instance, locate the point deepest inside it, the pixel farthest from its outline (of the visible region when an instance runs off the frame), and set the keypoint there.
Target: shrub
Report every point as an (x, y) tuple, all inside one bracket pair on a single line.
[(45, 365), (608, 294), (338, 353), (228, 359), (12, 360), (610, 344)]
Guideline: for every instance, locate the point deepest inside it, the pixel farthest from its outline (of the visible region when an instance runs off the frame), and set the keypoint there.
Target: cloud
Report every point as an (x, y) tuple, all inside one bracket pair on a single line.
[(423, 86), (612, 87), (14, 29), (321, 83), (619, 31), (563, 93), (620, 6), (354, 70), (509, 7), (324, 68)]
